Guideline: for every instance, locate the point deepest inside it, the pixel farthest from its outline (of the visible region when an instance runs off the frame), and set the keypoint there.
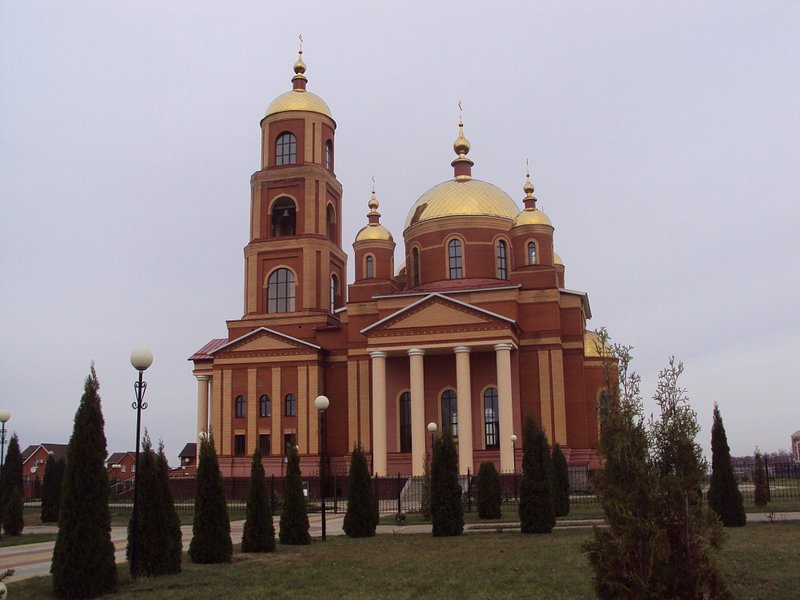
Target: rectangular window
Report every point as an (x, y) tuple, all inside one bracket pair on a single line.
[(405, 422), (263, 444), (291, 405), (289, 442), (239, 445), (122, 468)]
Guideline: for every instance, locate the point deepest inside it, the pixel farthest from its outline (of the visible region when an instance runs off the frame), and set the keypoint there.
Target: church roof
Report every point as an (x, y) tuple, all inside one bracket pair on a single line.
[(299, 100), (462, 196)]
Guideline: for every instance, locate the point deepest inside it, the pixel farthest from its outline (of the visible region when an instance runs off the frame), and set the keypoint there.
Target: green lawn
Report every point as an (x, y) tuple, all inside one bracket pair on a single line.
[(26, 538), (759, 560)]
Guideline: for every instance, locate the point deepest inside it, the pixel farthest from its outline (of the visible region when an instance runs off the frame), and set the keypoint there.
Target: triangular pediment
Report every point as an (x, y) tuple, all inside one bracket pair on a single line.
[(266, 340), (438, 312)]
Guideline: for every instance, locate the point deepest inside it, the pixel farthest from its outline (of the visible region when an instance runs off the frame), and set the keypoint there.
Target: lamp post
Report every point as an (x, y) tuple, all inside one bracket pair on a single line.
[(322, 403), (514, 461), (4, 416), (432, 428), (141, 359)]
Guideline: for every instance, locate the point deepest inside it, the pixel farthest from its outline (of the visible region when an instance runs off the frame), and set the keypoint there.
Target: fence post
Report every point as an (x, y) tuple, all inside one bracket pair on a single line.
[(469, 492), (335, 494), (399, 492), (766, 470)]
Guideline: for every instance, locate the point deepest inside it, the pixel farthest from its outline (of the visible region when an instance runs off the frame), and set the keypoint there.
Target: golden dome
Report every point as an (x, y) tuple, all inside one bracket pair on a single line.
[(374, 231), (299, 100), (557, 260), (531, 216), (457, 197), (592, 346)]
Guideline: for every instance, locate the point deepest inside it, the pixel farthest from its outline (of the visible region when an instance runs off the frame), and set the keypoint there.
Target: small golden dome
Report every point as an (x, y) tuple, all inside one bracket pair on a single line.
[(531, 216), (462, 197), (300, 66), (528, 187), (461, 145), (374, 231), (557, 260), (593, 346), (373, 203), (401, 270)]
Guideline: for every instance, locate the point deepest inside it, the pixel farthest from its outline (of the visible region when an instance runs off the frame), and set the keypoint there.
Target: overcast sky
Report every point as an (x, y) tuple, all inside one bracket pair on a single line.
[(663, 140)]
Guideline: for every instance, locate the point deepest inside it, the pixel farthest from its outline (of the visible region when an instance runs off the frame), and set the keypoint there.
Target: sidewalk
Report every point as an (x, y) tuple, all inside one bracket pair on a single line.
[(32, 560)]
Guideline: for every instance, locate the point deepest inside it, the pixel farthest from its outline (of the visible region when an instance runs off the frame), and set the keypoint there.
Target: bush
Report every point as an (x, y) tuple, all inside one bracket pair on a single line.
[(259, 530), (536, 513), (724, 496), (560, 483), (294, 513), (211, 530), (447, 510), (489, 492), (83, 558), (12, 516), (50, 492), (361, 518), (425, 491)]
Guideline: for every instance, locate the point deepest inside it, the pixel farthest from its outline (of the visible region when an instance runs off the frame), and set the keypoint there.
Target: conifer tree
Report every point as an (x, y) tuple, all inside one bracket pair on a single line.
[(659, 536), (83, 558), (724, 496), (158, 533), (211, 529), (536, 513), (172, 550), (360, 519), (259, 530), (489, 492), (447, 512), (49, 508), (560, 482), (13, 521), (294, 513), (12, 475), (761, 494)]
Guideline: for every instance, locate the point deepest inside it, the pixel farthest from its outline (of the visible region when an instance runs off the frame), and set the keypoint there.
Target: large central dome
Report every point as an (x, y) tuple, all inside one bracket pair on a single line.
[(463, 196)]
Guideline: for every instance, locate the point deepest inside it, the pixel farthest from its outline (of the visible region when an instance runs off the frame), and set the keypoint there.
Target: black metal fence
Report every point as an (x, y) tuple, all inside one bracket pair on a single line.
[(402, 493)]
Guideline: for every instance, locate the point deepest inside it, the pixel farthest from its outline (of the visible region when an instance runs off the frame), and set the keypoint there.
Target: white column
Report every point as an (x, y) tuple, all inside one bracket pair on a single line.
[(503, 356), (202, 402), (417, 375), (378, 412), (464, 407)]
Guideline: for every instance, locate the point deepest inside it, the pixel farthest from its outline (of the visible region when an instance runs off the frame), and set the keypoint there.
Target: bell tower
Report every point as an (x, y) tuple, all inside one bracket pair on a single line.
[(295, 267)]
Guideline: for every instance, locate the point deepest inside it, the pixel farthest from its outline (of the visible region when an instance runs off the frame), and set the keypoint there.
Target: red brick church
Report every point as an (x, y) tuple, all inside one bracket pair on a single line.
[(476, 330)]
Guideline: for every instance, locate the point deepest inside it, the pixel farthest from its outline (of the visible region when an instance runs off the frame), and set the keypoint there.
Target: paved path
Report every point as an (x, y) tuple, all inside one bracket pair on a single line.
[(31, 560)]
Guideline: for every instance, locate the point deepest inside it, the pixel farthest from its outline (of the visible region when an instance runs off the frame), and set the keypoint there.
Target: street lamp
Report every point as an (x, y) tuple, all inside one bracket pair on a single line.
[(322, 403), (432, 428), (141, 359), (514, 461), (4, 416)]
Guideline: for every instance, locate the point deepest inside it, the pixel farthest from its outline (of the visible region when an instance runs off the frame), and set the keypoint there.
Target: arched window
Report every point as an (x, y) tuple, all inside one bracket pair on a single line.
[(334, 293), (415, 267), (370, 267), (502, 261), (284, 217), (330, 223), (531, 253), (405, 422), (491, 424), (450, 413), (454, 259), (291, 405), (280, 291), (329, 155), (264, 406), (285, 149), (240, 407)]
